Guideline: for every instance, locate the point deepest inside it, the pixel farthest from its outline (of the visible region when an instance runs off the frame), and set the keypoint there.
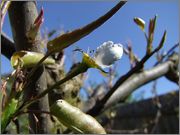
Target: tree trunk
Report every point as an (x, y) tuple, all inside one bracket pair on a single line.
[(22, 15)]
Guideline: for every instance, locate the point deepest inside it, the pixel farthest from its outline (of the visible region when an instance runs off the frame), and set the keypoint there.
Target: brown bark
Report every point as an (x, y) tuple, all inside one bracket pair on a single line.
[(22, 15), (7, 46)]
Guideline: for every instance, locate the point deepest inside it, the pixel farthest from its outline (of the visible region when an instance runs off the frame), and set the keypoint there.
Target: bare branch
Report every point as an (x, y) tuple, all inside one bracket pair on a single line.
[(33, 111), (168, 53), (173, 74), (7, 45), (134, 131), (138, 80), (16, 122)]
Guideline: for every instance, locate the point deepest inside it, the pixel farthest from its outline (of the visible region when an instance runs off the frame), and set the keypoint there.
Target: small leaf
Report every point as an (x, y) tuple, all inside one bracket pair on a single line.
[(75, 119), (39, 20), (163, 39), (7, 113), (28, 59), (140, 22), (65, 40), (51, 33), (152, 25)]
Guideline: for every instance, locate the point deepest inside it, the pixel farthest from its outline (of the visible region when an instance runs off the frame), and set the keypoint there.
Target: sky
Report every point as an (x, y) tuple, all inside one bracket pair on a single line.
[(120, 28)]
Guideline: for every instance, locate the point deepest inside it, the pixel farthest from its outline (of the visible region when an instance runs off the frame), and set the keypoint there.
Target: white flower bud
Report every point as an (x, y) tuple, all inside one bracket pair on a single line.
[(107, 53)]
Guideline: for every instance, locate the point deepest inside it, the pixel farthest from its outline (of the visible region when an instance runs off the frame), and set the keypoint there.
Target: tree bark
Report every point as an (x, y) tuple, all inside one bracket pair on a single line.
[(7, 46), (22, 15)]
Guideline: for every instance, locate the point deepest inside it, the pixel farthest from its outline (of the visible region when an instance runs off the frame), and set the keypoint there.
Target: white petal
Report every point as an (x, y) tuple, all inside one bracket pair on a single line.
[(108, 53)]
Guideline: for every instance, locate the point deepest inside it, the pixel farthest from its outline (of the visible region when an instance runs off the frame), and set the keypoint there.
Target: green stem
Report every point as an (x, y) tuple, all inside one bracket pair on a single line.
[(147, 40), (81, 68)]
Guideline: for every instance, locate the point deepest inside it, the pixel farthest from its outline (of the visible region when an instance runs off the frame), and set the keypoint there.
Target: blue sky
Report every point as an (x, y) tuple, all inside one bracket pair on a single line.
[(120, 29)]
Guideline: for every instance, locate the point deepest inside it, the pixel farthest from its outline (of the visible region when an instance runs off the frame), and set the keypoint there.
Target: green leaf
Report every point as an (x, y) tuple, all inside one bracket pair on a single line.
[(75, 119), (65, 40), (152, 25), (8, 113), (28, 59), (163, 39)]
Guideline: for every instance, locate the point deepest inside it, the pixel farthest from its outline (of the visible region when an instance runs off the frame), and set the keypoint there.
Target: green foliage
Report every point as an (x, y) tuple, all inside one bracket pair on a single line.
[(8, 113)]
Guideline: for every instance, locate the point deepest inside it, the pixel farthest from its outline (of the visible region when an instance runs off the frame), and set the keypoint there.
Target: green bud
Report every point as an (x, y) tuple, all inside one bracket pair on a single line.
[(140, 22)]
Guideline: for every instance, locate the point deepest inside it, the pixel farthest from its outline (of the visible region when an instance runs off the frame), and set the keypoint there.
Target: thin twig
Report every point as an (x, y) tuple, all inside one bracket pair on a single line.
[(159, 106), (81, 68), (16, 122), (32, 111), (134, 131), (7, 46), (168, 53)]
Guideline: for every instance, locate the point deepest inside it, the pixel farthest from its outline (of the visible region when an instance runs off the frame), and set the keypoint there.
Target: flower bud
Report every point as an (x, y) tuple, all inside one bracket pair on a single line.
[(140, 22), (108, 53)]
